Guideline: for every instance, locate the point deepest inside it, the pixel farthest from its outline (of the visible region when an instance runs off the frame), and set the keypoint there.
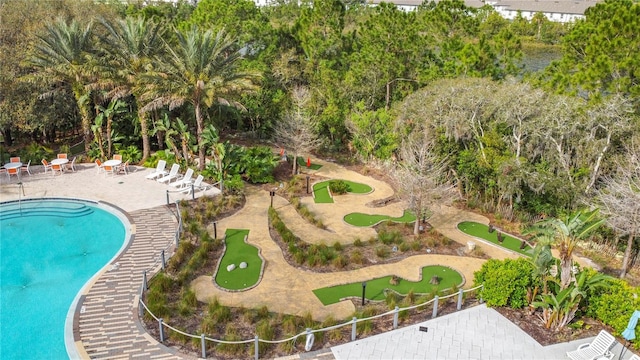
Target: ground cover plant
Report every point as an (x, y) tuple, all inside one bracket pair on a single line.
[(377, 289), (360, 219), (236, 252), (482, 231)]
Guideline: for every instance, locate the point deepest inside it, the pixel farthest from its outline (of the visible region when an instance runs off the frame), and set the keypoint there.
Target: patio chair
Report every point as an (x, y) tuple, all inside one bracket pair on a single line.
[(14, 159), (159, 171), (4, 171), (72, 165), (597, 349), (14, 171), (56, 168), (117, 157), (173, 174), (109, 170), (185, 180), (46, 165), (99, 165), (123, 168), (62, 156), (26, 168)]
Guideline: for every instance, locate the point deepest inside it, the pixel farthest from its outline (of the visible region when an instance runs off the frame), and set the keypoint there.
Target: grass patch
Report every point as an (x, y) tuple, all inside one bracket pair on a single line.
[(321, 190), (236, 252), (360, 219), (375, 289), (482, 231), (302, 162)]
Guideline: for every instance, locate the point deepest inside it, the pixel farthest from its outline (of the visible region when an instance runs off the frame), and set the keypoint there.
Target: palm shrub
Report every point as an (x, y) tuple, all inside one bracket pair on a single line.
[(559, 305), (338, 187)]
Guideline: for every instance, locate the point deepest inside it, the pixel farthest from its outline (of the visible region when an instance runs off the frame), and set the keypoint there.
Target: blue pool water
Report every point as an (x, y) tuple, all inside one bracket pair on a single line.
[(49, 249)]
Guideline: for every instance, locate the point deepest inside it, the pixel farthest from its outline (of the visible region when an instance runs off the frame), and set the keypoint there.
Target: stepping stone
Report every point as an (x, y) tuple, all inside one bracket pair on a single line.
[(231, 267), (243, 265)]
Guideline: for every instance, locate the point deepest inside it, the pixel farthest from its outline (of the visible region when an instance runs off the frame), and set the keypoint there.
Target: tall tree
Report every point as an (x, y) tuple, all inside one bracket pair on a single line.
[(421, 176), (201, 69), (619, 198), (600, 52), (565, 232), (129, 46), (64, 52), (295, 132)]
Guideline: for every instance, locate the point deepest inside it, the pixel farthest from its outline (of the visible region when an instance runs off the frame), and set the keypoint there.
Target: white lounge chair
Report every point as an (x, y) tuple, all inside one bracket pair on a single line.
[(185, 180), (597, 349), (159, 171), (173, 174), (197, 185)]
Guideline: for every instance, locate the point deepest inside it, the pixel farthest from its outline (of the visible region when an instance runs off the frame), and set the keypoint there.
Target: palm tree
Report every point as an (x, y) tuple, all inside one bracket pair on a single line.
[(129, 46), (565, 232), (200, 69), (64, 54)]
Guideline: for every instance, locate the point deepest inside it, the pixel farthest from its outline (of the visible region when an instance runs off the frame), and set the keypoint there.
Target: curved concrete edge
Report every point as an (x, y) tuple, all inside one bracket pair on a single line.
[(73, 344)]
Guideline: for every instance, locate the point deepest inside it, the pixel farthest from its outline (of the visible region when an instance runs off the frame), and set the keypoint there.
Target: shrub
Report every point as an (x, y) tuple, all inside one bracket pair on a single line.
[(382, 252), (357, 257), (505, 282), (338, 187), (337, 246), (390, 237), (340, 261), (614, 304), (358, 243)]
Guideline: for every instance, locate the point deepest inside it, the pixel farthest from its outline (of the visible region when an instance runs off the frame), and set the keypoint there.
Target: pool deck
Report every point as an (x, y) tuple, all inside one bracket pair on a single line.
[(107, 326)]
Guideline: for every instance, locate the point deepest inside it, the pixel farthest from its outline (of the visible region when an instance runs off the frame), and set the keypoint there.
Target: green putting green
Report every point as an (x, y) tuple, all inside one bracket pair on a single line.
[(375, 289), (303, 163), (482, 231), (236, 252), (321, 190), (360, 219)]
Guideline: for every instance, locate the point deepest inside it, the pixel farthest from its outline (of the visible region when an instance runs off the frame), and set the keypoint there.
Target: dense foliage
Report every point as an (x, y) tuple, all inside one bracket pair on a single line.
[(116, 77)]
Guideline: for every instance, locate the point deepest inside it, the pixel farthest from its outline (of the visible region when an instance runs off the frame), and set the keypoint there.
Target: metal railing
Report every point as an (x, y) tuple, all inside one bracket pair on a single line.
[(308, 333)]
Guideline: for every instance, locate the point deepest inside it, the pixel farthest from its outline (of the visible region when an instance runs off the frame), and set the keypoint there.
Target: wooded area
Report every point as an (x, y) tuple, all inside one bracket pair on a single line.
[(146, 78)]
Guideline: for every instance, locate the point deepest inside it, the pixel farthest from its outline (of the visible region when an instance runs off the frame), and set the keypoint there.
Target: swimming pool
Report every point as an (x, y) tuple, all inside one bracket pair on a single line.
[(49, 250)]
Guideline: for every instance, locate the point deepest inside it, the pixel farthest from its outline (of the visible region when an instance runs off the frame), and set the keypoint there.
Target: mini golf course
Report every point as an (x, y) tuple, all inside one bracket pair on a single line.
[(321, 190), (375, 289), (362, 220), (236, 252), (303, 164), (481, 231)]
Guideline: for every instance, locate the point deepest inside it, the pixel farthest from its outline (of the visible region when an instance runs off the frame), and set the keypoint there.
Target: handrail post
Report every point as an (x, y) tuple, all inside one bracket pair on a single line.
[(203, 342), (257, 343), (460, 293), (161, 330), (435, 307), (395, 317), (168, 202), (140, 308), (164, 263), (353, 329), (193, 192), (144, 280), (480, 291)]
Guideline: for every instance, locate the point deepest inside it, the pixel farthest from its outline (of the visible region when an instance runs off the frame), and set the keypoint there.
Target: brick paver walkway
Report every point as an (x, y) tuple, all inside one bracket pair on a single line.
[(106, 323)]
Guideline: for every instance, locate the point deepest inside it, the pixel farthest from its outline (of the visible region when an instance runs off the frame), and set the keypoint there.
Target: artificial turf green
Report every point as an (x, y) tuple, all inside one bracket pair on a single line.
[(375, 289), (303, 163), (360, 219), (321, 190), (482, 231), (236, 252)]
